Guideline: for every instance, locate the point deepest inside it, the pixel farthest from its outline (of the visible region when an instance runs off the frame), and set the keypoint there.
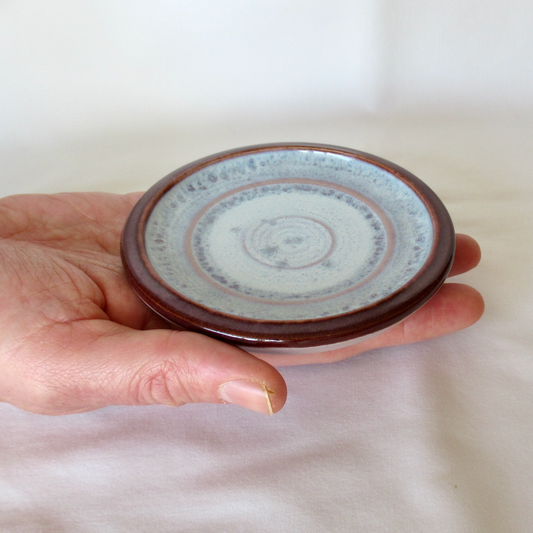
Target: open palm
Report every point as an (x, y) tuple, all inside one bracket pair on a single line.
[(76, 337)]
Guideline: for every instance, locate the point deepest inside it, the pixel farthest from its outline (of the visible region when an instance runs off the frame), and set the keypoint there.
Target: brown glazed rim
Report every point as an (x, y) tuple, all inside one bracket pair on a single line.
[(186, 314)]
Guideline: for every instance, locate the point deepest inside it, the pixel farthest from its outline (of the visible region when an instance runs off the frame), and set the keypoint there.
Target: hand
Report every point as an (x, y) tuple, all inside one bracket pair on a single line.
[(77, 338)]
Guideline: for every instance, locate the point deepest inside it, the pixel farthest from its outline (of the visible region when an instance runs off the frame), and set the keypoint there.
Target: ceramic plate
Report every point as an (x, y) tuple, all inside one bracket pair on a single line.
[(288, 245)]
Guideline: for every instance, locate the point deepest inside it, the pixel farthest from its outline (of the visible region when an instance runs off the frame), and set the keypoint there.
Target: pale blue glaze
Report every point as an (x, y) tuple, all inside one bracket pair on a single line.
[(289, 251)]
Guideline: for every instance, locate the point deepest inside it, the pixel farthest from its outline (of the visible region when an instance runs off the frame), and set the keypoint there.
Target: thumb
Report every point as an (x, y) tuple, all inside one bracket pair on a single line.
[(100, 363)]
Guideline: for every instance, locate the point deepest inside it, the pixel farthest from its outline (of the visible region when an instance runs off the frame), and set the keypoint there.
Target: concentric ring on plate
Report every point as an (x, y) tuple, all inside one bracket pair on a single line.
[(288, 245)]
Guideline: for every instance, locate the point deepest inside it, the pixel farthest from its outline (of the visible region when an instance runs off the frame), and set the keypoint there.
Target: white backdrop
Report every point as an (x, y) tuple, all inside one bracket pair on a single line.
[(71, 66)]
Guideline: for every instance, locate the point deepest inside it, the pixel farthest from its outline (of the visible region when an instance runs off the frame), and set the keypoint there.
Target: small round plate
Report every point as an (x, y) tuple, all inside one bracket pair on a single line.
[(288, 246)]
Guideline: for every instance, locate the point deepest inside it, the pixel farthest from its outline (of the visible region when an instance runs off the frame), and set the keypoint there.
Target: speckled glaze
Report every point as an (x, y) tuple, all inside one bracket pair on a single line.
[(290, 246)]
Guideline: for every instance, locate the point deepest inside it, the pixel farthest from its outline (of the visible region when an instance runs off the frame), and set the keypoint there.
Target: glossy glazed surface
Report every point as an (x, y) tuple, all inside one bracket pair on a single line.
[(288, 245), (288, 235)]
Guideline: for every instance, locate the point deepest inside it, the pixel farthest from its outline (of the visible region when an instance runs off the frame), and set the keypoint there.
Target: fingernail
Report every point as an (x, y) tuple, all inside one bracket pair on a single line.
[(248, 394)]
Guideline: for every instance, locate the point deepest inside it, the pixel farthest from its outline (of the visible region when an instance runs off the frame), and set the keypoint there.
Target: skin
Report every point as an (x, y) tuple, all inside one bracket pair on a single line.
[(76, 337)]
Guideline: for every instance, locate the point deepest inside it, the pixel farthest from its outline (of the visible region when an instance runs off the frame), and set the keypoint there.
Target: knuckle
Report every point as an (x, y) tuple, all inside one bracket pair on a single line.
[(159, 383)]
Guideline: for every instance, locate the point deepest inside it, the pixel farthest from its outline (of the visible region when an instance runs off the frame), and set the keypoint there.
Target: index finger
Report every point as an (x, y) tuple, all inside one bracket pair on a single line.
[(467, 254)]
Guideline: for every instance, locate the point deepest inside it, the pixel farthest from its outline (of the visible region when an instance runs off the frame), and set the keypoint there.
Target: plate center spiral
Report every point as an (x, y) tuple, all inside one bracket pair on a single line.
[(289, 242)]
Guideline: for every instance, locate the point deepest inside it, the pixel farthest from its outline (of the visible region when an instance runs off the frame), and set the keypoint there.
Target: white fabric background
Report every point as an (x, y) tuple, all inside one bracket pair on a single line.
[(430, 437)]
